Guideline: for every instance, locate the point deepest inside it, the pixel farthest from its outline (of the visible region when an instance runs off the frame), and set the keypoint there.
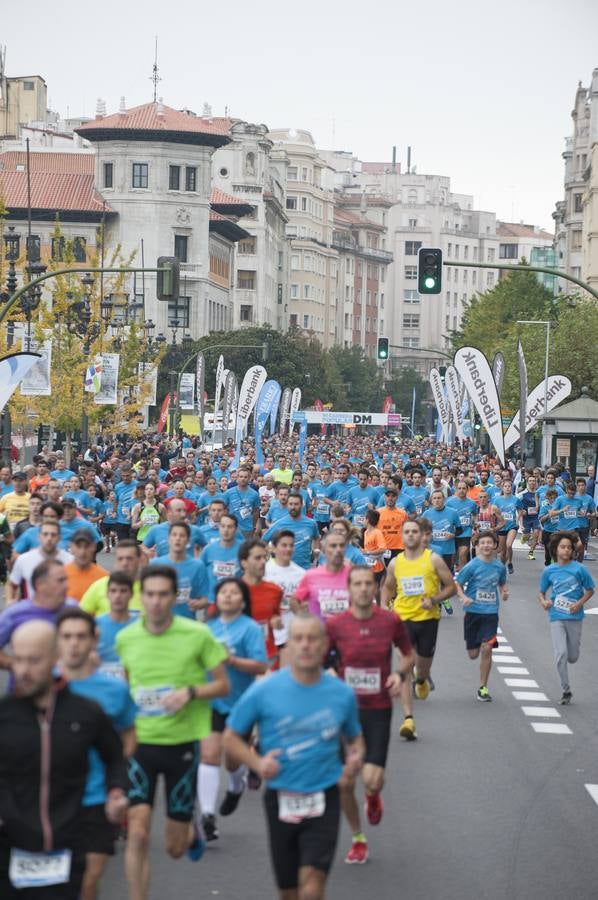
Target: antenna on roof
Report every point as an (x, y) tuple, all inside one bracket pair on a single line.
[(154, 76)]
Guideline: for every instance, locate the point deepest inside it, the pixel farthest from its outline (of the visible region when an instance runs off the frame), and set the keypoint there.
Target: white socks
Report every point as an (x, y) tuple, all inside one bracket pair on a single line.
[(237, 780), (208, 784)]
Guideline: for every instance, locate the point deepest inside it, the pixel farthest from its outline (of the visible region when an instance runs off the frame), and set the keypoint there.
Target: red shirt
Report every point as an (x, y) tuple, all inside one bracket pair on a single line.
[(265, 603), (364, 648)]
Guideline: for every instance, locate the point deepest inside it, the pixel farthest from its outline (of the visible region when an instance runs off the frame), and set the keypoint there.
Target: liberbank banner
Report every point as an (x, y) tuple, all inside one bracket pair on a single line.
[(329, 417), (476, 374)]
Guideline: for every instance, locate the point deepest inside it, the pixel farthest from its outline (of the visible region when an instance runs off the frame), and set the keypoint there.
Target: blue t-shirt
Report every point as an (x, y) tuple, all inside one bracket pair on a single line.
[(508, 507), (551, 524), (27, 541), (567, 584), (360, 500), (107, 630), (339, 491), (192, 583), (62, 476), (220, 562), (68, 529), (445, 523), (321, 509), (243, 637), (113, 696), (205, 499), (573, 511), (305, 531), (530, 503), (354, 555), (157, 537), (123, 493), (5, 488), (276, 511), (95, 504), (109, 512), (546, 487), (465, 509), (81, 498), (304, 722), (419, 495), (210, 533), (480, 581), (242, 505)]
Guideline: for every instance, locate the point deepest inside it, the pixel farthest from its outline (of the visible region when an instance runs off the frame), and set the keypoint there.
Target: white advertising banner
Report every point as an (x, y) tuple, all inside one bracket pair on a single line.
[(38, 382), (220, 381), (187, 392), (557, 390), (475, 371), (295, 404), (324, 417), (108, 393), (440, 401), (13, 369), (149, 376), (453, 390)]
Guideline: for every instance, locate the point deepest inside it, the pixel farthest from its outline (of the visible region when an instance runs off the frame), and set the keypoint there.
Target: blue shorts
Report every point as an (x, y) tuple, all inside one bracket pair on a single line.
[(480, 628), (530, 525)]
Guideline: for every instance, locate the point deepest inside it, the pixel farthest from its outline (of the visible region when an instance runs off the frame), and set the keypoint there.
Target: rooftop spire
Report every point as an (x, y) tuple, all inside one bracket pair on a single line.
[(154, 76)]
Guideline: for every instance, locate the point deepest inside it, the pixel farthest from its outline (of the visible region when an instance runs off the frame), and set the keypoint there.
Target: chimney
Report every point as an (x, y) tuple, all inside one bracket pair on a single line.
[(160, 108), (123, 107), (100, 108)]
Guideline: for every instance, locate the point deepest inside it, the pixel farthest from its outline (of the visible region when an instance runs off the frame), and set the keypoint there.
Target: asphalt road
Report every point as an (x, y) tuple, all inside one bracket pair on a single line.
[(482, 805)]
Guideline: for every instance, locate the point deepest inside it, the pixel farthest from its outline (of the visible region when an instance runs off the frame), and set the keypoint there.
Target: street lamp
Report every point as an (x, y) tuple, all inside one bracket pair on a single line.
[(78, 322)]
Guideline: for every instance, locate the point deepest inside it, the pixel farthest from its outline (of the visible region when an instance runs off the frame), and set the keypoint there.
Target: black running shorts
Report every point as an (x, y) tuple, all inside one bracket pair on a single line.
[(308, 843), (178, 764), (96, 832), (375, 724), (423, 636), (480, 628)]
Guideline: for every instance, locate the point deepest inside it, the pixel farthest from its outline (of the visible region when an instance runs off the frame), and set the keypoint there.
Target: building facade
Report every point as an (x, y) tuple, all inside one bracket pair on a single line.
[(22, 99), (527, 243)]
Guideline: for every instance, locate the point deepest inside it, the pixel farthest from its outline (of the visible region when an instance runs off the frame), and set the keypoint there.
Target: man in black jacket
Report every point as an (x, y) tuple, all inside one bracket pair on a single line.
[(45, 735)]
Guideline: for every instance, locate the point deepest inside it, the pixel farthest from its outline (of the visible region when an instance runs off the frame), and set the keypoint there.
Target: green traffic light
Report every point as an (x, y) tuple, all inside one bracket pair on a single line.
[(430, 282)]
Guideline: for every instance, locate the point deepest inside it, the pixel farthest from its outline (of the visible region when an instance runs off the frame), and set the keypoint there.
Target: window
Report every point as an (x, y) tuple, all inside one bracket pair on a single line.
[(411, 341), (457, 248), (295, 264), (108, 175), (410, 296), (381, 301), (411, 273), (306, 291), (412, 223), (292, 173), (412, 248), (293, 320), (475, 253), (140, 175), (449, 249), (178, 311), (174, 178), (474, 278), (304, 174), (410, 320), (246, 280), (291, 231), (79, 251), (490, 279), (291, 203), (304, 204), (466, 252), (180, 247), (279, 293), (491, 254), (190, 178), (28, 86), (508, 251), (294, 292), (246, 313), (33, 243), (58, 249), (576, 239), (577, 203), (246, 246), (412, 196)]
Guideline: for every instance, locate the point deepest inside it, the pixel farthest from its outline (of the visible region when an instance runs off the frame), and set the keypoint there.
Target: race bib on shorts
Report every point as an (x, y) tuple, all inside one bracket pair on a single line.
[(359, 520), (413, 586), (322, 509), (369, 560), (32, 870), (294, 808), (532, 510), (363, 681), (484, 526), (183, 595), (150, 700)]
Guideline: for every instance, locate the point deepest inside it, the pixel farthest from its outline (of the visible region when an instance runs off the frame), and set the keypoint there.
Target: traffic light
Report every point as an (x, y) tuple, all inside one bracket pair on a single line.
[(167, 284), (429, 270), (383, 348)]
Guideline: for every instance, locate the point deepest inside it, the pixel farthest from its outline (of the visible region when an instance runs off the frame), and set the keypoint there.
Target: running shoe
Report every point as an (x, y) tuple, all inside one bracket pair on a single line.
[(422, 689), (196, 849), (374, 807), (484, 695), (407, 729), (531, 555), (358, 853), (448, 607), (510, 568), (566, 698), (431, 683), (229, 804), (210, 829)]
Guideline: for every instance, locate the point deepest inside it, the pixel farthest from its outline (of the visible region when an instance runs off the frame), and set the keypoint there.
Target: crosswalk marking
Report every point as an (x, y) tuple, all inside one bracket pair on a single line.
[(502, 648), (537, 696), (512, 670), (551, 728), (508, 659), (521, 682), (547, 711), (592, 790)]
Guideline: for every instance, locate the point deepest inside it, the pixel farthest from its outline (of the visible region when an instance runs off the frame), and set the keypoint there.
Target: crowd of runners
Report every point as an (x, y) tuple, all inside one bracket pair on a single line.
[(254, 630)]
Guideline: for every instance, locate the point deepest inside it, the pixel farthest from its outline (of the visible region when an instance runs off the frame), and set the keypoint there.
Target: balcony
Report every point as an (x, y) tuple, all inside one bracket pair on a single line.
[(191, 270), (245, 296), (375, 253), (370, 252)]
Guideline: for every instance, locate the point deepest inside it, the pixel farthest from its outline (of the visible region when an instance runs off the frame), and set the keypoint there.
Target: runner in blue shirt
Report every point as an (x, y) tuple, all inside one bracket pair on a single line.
[(75, 492), (279, 506), (481, 585), (192, 578), (71, 522), (570, 586), (302, 714), (574, 507), (339, 490), (210, 493), (307, 535), (244, 503), (157, 536), (530, 509), (418, 493), (320, 493), (361, 498), (221, 557), (445, 528), (209, 530), (76, 643), (244, 640), (108, 625), (550, 484), (124, 491), (587, 509), (509, 506), (467, 511), (549, 518)]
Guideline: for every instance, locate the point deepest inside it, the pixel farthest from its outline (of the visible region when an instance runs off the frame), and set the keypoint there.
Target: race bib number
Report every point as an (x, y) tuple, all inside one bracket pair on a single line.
[(360, 520), (244, 512), (224, 569), (419, 510), (113, 670), (485, 596), (322, 509), (150, 700), (413, 586), (484, 526), (369, 560), (563, 603), (183, 596), (294, 808), (332, 606), (32, 870), (532, 510), (508, 516), (363, 681), (465, 520), (440, 535), (570, 514)]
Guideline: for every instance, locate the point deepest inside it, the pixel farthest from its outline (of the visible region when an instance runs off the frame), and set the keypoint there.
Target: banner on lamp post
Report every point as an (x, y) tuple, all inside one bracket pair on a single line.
[(442, 407), (295, 404), (453, 390), (187, 390), (227, 404), (285, 410), (268, 400), (555, 390), (108, 393), (474, 369), (37, 381), (319, 406), (251, 387)]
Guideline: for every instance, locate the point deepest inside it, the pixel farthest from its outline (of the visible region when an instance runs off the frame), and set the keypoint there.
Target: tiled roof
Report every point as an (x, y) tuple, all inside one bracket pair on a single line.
[(61, 163), (220, 198), (157, 117), (351, 218), (378, 168), (514, 229), (55, 191)]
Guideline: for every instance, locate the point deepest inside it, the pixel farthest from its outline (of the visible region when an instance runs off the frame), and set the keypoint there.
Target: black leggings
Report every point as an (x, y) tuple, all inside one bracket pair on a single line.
[(546, 536)]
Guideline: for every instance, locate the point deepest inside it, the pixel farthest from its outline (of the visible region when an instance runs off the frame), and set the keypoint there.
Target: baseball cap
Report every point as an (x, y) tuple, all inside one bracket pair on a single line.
[(391, 490), (82, 535), (21, 475)]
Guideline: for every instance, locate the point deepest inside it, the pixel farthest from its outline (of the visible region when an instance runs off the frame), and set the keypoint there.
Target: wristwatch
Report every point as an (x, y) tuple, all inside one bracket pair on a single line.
[(191, 692)]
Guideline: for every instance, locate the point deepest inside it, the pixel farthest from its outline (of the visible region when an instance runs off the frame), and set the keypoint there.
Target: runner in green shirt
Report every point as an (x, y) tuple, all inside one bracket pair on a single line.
[(167, 660)]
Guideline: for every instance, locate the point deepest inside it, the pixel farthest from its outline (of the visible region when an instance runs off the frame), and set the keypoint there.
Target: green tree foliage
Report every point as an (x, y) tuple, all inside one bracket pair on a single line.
[(401, 390)]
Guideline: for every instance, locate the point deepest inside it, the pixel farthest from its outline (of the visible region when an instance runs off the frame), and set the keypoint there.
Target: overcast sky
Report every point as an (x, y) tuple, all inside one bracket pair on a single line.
[(481, 91)]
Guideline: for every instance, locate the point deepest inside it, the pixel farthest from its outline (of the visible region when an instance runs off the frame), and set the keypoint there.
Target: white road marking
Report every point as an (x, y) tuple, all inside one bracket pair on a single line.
[(591, 612), (537, 696), (509, 659), (592, 790), (521, 682), (499, 630), (502, 649), (551, 728), (512, 670), (547, 711)]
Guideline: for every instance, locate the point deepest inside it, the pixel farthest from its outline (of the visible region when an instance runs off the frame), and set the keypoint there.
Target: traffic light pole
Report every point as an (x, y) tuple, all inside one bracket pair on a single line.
[(545, 270)]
